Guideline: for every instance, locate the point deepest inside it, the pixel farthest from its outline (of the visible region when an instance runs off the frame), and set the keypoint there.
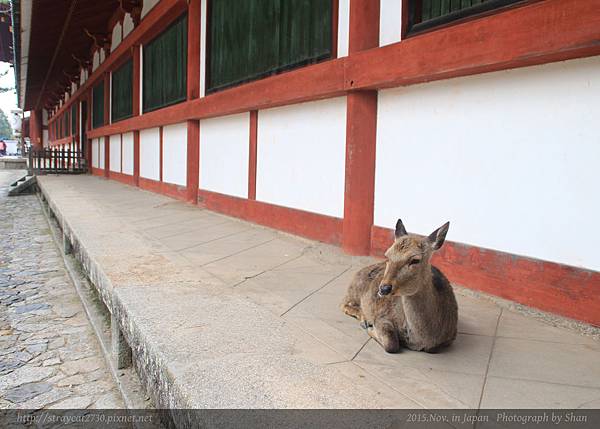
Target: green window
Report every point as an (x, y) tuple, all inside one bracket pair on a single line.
[(98, 105), (165, 67), (258, 38), (74, 119), (425, 14), (122, 92)]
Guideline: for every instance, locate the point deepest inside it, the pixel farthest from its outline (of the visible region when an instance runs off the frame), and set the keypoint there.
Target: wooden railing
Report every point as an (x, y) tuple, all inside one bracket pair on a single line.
[(48, 161)]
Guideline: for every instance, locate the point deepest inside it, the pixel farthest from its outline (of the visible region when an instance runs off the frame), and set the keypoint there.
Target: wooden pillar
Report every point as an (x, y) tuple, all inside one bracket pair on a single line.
[(106, 122), (137, 67), (88, 127), (36, 133), (193, 92), (252, 155), (361, 131)]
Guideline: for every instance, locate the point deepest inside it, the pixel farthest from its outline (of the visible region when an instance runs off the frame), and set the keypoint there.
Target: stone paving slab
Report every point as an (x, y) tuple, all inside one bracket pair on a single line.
[(223, 313), (49, 356)]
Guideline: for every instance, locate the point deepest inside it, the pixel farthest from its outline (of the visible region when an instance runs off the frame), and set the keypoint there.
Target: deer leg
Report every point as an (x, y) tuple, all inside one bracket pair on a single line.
[(385, 334)]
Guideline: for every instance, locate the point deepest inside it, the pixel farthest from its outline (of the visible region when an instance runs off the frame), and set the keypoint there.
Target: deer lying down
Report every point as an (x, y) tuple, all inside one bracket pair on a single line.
[(405, 301)]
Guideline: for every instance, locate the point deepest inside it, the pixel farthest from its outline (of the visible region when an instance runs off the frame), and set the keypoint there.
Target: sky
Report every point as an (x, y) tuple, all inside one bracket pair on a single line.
[(8, 100)]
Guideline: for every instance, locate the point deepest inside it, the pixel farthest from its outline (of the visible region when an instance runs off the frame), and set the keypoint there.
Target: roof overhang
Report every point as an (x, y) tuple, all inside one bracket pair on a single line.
[(56, 39)]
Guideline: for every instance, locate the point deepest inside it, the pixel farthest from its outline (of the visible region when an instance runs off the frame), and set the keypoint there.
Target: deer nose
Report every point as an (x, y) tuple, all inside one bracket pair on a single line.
[(384, 290)]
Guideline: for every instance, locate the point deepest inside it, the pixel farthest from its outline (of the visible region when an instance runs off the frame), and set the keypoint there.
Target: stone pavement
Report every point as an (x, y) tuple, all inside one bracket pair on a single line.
[(49, 356), (228, 314)]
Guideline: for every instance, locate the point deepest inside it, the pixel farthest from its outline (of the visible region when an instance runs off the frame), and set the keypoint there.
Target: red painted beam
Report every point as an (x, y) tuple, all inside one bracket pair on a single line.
[(169, 189), (324, 80), (253, 153), (361, 137), (193, 160), (306, 224), (193, 92), (536, 33), (161, 15), (106, 122), (561, 289), (136, 110), (509, 39)]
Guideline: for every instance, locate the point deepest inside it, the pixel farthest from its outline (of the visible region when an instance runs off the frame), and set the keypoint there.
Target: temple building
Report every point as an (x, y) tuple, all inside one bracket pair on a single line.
[(331, 119)]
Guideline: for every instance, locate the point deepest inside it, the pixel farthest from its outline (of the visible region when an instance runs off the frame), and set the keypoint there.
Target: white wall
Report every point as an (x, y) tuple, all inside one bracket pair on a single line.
[(150, 153), (101, 152), (96, 60), (116, 36), (390, 21), (95, 153), (115, 153), (301, 156), (224, 146), (127, 25), (148, 5), (343, 27), (127, 153), (510, 158), (175, 154)]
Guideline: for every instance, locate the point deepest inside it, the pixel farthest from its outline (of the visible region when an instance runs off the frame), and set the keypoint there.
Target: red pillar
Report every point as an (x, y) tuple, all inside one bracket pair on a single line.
[(137, 67), (361, 129), (106, 122), (193, 91), (36, 133), (252, 155)]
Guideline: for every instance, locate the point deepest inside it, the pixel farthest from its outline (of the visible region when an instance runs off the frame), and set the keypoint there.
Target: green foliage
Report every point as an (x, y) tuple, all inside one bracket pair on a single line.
[(6, 131)]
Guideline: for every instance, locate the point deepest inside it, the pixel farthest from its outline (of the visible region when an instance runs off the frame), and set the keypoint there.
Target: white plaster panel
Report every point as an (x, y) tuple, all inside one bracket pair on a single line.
[(127, 152), (301, 156), (150, 153), (45, 137), (175, 154), (343, 27), (96, 61), (95, 153), (148, 5), (224, 147), (44, 117), (101, 153), (390, 22), (115, 153), (102, 56), (127, 25), (116, 36), (510, 158)]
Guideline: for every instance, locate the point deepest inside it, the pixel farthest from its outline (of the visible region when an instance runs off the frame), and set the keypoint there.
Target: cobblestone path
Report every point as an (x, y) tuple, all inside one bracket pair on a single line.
[(49, 356)]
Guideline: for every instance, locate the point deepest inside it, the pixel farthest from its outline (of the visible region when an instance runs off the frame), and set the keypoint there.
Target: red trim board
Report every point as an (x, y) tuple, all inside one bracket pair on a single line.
[(507, 39), (120, 177), (561, 289), (169, 189), (306, 224)]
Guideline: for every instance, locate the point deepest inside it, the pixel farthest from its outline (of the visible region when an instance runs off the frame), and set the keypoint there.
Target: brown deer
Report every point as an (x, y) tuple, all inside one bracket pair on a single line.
[(406, 301)]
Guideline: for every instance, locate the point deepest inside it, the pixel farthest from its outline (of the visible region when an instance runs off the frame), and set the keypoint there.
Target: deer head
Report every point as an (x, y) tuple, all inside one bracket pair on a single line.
[(408, 266)]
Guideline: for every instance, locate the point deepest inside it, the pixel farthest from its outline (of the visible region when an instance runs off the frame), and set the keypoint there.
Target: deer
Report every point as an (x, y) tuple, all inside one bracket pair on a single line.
[(405, 301)]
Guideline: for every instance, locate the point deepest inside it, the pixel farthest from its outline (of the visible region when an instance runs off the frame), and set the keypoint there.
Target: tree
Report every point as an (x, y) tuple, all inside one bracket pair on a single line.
[(4, 89), (6, 131)]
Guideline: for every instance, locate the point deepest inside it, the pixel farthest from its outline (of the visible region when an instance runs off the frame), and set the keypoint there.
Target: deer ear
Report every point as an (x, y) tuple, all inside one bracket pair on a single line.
[(437, 237), (400, 230)]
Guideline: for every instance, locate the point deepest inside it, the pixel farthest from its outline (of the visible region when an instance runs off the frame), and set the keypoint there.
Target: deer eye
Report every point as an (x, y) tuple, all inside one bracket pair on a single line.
[(414, 261)]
